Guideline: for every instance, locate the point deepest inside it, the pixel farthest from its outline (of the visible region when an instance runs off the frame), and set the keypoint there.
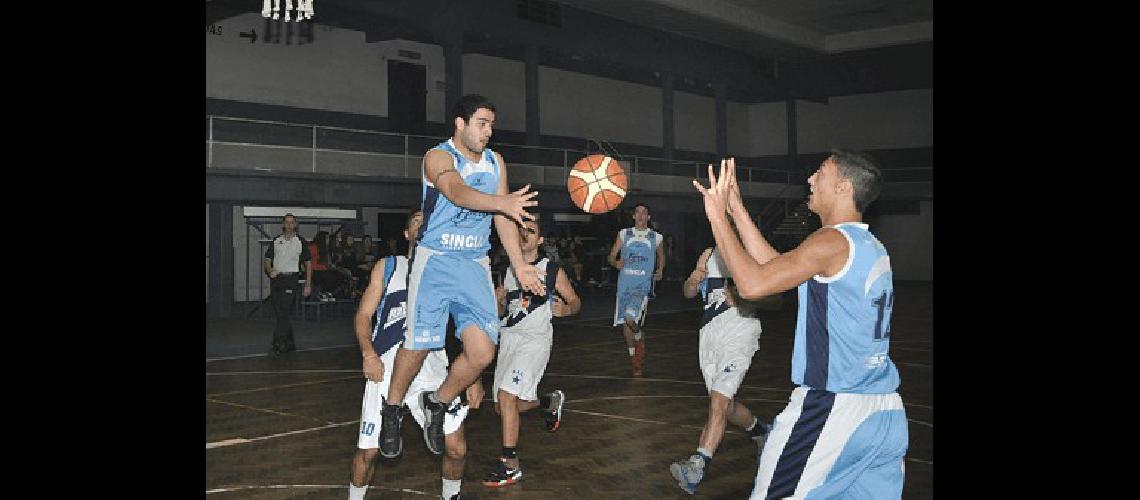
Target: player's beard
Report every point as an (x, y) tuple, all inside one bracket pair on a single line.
[(473, 144)]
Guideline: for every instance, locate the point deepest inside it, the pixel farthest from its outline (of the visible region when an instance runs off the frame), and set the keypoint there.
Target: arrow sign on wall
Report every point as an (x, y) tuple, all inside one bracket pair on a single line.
[(252, 35)]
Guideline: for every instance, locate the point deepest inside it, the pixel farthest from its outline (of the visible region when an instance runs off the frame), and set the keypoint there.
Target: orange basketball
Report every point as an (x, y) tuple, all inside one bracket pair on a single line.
[(597, 184)]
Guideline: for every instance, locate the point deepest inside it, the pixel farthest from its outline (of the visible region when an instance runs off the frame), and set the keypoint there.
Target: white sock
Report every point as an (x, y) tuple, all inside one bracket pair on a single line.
[(754, 420), (356, 492), (631, 351), (450, 487)]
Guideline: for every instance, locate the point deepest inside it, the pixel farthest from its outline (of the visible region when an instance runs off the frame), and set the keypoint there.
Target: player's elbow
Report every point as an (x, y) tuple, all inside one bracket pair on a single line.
[(749, 290)]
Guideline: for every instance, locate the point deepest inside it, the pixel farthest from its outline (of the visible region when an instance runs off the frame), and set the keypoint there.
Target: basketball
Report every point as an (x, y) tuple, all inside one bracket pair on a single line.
[(597, 184)]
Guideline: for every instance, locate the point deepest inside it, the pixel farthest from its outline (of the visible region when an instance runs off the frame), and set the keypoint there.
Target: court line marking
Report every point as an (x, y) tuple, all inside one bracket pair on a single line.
[(265, 410), (231, 442), (610, 398), (262, 355), (647, 421), (280, 372), (342, 346), (315, 486), (282, 386)]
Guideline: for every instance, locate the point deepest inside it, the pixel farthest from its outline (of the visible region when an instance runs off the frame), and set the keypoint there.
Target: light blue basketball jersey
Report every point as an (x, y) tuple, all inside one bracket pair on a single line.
[(392, 311), (843, 325), (639, 252), (452, 229)]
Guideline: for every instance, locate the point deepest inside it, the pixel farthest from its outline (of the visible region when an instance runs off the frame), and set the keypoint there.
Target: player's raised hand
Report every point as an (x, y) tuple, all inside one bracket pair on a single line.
[(715, 196), (514, 204)]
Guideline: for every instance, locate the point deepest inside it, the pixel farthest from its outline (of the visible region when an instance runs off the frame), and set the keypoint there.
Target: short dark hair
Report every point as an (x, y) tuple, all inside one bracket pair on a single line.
[(288, 215), (865, 176), (468, 105), (412, 215), (640, 204)]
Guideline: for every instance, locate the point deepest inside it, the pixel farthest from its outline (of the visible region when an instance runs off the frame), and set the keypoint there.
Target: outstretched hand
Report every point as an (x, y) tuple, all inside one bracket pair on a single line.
[(514, 204), (716, 196), (735, 202)]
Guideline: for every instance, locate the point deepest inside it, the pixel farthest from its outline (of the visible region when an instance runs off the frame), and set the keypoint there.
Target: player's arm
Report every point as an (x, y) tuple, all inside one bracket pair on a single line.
[(362, 323), (660, 260), (613, 260), (692, 285), (566, 303), (267, 262), (526, 274), (440, 171), (823, 253)]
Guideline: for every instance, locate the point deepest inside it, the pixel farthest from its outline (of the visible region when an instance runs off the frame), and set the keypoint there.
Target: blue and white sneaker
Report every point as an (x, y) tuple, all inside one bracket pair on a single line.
[(688, 473)]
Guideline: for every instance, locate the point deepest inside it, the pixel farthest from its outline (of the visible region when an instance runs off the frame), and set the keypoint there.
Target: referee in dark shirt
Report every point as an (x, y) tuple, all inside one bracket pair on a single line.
[(283, 261)]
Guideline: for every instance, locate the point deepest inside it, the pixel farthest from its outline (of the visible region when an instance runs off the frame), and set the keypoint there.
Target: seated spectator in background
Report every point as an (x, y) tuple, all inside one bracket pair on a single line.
[(365, 252), (345, 260), (371, 251), (550, 249), (326, 278), (568, 250)]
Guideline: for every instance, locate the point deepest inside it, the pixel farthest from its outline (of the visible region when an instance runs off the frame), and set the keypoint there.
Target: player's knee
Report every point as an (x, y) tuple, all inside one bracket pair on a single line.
[(719, 403), (507, 399), (369, 455), (481, 357), (456, 448)]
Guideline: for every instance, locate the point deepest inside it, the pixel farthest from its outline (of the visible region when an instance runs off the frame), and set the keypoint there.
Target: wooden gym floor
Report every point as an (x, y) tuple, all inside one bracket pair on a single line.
[(286, 427)]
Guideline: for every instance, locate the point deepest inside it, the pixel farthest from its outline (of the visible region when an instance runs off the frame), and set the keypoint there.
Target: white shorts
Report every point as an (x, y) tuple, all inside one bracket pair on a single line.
[(829, 445), (522, 361), (725, 351), (429, 378)]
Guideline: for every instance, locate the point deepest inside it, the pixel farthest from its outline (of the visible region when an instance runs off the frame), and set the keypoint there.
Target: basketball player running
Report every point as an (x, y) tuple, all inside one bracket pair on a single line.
[(524, 349), (386, 298), (641, 253), (450, 271), (729, 335), (844, 430)]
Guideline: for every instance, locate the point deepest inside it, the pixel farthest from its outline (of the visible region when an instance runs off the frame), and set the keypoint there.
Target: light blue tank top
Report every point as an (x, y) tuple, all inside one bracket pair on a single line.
[(843, 327), (449, 228)]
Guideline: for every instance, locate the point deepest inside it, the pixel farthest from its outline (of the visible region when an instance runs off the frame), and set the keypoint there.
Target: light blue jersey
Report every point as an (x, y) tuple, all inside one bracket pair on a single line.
[(843, 326), (639, 252), (449, 228)]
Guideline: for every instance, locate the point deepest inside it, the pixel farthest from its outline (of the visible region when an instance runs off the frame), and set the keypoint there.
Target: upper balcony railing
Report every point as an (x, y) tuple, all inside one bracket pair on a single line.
[(309, 148), (272, 146)]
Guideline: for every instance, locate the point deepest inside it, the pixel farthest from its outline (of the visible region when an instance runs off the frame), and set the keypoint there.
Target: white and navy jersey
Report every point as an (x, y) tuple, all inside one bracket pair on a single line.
[(639, 253), (287, 254), (450, 228), (392, 310), (843, 327), (714, 288), (527, 311)]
